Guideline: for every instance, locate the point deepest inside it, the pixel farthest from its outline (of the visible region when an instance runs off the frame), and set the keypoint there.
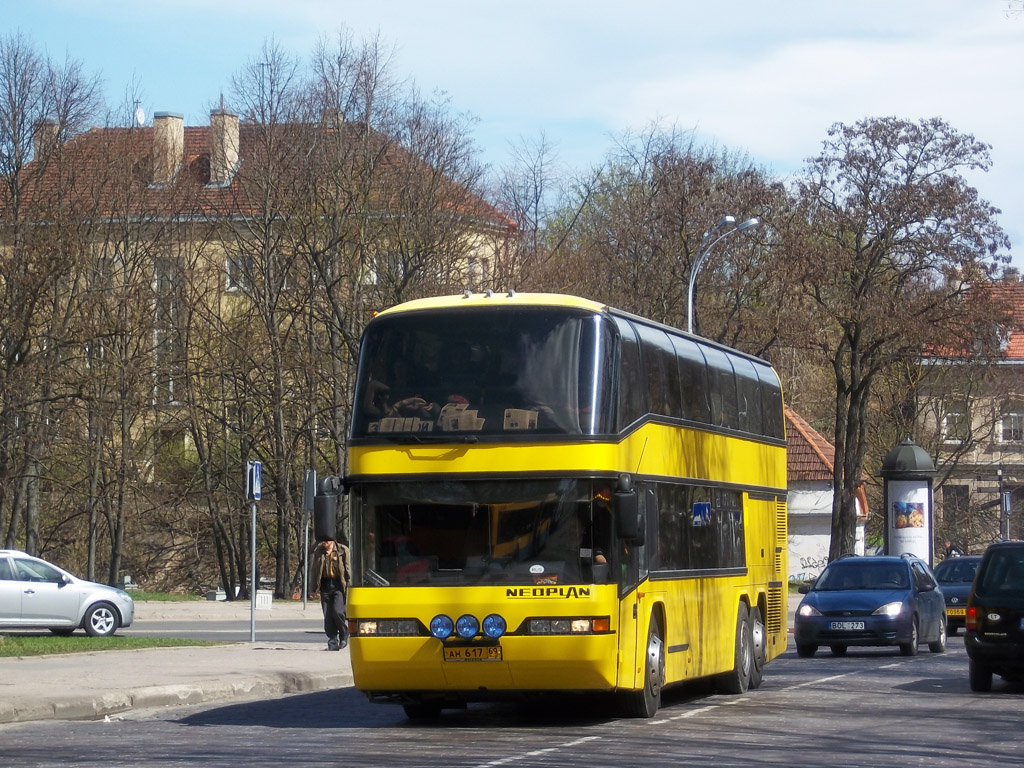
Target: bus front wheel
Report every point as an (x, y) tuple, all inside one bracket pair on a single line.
[(738, 680), (647, 701)]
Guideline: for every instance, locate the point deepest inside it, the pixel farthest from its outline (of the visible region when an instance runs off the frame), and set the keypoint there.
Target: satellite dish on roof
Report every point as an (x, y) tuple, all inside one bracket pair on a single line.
[(140, 114)]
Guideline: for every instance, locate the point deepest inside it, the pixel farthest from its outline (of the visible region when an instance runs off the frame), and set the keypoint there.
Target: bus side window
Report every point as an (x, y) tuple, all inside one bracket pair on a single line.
[(748, 393), (693, 383), (722, 383), (661, 371), (771, 401), (631, 377)]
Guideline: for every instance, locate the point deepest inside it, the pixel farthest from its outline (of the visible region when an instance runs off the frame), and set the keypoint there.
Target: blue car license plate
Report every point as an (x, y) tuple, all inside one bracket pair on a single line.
[(846, 626)]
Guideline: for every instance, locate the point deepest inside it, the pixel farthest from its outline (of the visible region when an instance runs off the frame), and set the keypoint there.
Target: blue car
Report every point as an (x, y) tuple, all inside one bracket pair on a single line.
[(872, 601)]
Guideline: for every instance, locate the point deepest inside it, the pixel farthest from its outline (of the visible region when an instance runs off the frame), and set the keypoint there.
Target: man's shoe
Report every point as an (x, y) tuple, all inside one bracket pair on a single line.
[(333, 646), (344, 644)]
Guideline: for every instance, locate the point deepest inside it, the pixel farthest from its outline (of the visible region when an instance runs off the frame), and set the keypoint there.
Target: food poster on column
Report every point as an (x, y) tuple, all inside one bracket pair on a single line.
[(909, 518)]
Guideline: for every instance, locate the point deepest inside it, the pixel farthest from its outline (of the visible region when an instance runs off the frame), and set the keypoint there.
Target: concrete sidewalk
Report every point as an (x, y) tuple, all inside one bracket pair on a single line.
[(92, 685)]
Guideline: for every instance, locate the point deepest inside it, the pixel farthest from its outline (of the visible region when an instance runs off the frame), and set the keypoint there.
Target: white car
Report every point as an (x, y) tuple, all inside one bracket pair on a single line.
[(37, 594)]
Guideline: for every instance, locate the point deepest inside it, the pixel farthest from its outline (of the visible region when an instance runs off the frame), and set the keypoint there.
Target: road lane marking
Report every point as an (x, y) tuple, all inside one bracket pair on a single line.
[(537, 752), (819, 681), (694, 712)]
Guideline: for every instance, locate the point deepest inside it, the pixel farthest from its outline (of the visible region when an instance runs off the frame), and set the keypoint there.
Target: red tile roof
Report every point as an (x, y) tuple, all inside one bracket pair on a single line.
[(108, 172), (809, 457), (1002, 297), (1012, 294)]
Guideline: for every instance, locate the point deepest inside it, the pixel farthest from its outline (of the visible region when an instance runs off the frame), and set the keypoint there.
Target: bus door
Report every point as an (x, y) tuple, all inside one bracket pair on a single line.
[(636, 598)]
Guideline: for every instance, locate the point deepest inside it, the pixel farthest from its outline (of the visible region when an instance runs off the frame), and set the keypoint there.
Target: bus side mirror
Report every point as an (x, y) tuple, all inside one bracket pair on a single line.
[(325, 509), (629, 522)]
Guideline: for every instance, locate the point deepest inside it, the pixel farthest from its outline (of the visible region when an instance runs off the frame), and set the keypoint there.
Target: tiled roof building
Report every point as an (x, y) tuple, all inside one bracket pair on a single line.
[(809, 462), (971, 419)]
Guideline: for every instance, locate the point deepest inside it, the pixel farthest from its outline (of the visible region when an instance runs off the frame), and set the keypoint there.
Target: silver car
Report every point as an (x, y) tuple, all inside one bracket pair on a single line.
[(37, 594)]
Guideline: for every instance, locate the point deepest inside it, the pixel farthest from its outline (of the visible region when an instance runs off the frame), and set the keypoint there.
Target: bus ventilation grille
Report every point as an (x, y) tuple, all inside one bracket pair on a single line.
[(782, 539), (775, 608)]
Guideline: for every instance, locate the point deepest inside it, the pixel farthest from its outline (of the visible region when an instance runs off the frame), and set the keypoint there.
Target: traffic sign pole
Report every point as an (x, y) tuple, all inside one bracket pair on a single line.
[(253, 491)]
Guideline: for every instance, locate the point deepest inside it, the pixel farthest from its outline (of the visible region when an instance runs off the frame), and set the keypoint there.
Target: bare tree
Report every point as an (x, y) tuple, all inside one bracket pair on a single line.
[(889, 239), (632, 230), (41, 105)]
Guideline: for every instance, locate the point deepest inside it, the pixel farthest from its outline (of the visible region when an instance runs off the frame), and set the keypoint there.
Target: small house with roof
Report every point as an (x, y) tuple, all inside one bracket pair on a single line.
[(809, 466)]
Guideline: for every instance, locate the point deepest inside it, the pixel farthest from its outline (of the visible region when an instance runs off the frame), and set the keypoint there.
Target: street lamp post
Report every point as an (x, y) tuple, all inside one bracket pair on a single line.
[(706, 244)]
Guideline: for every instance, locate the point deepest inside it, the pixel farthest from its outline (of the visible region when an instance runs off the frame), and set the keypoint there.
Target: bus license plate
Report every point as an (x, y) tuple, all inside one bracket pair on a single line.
[(473, 653), (847, 625)]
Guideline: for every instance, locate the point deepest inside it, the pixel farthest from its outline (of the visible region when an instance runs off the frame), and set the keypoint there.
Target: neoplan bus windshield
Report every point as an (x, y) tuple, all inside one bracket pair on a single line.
[(516, 532), (476, 371)]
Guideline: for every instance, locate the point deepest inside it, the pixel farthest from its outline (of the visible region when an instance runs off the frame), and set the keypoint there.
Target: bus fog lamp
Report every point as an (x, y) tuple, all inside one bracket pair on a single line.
[(367, 627), (561, 626), (581, 626), (441, 627), (540, 627), (467, 627), (494, 626)]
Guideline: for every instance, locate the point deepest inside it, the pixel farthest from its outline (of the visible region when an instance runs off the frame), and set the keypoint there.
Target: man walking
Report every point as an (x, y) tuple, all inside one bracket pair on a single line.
[(331, 572)]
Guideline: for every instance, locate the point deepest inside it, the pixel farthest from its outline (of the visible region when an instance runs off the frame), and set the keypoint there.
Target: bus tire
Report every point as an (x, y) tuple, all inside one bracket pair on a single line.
[(737, 680), (647, 701), (759, 638)]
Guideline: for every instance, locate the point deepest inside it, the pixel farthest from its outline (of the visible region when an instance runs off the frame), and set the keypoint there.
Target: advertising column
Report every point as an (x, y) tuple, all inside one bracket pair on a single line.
[(908, 471), (909, 518)]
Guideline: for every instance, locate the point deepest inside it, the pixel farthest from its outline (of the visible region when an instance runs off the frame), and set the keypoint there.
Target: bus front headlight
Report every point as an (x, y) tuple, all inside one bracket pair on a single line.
[(442, 626), (467, 627), (494, 626)]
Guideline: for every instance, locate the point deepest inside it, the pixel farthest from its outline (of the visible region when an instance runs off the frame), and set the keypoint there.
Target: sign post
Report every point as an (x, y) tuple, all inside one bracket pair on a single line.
[(253, 492), (309, 493)]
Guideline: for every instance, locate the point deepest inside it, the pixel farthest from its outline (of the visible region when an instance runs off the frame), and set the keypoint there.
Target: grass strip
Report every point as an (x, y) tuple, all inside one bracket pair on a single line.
[(42, 645)]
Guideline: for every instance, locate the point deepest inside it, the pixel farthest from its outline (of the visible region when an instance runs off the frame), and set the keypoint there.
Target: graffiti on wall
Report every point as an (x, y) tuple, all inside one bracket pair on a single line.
[(807, 558)]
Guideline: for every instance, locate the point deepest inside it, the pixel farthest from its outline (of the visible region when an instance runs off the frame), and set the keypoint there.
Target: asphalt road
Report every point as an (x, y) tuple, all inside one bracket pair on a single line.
[(872, 708)]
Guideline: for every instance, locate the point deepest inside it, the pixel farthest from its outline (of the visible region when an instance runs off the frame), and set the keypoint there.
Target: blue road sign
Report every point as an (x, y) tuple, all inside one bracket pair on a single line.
[(254, 480)]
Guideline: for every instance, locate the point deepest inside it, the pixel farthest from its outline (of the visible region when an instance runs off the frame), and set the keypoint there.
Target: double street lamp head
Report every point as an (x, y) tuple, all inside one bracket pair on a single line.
[(731, 227)]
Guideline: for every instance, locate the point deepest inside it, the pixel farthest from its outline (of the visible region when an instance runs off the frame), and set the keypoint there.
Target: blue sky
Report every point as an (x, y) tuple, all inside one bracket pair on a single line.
[(764, 78)]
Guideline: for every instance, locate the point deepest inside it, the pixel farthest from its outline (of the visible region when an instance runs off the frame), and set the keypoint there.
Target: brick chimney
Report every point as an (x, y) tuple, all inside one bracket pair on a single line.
[(168, 145), (223, 147), (44, 140)]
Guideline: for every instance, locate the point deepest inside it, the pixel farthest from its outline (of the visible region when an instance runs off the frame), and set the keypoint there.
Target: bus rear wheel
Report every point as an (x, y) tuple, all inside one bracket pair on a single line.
[(647, 701), (759, 638), (738, 680)]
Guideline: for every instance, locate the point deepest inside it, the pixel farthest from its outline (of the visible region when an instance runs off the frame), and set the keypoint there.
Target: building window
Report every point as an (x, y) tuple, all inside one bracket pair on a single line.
[(168, 348), (1013, 424), (239, 272), (478, 272), (956, 422)]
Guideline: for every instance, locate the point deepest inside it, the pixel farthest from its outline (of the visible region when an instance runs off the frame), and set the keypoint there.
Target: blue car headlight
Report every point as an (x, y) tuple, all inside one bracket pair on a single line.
[(889, 609)]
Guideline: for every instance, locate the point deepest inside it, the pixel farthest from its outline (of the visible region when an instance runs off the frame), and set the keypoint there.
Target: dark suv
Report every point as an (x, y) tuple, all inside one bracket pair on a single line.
[(995, 616)]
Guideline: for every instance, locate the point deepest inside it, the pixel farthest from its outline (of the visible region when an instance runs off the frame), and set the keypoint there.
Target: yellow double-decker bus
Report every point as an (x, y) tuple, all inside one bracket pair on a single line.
[(551, 495)]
